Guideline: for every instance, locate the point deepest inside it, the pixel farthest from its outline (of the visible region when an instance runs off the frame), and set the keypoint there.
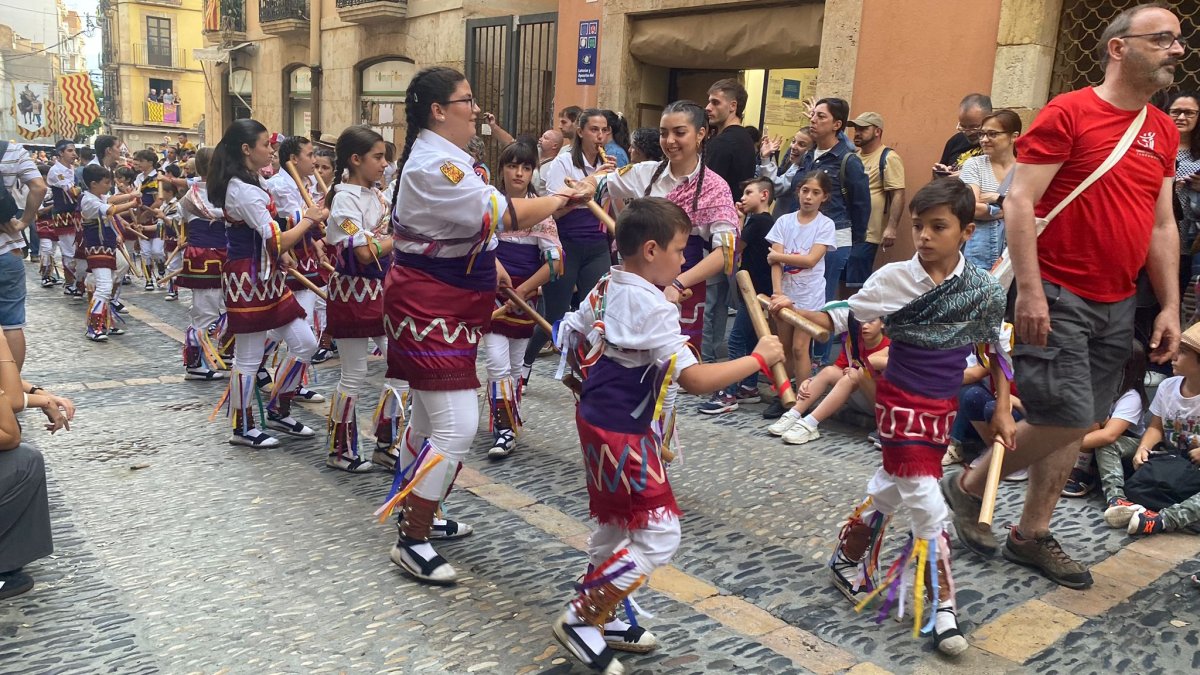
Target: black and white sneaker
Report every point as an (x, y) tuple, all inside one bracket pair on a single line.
[(149, 285), (288, 425), (116, 330), (445, 529), (97, 337), (171, 296), (203, 374), (950, 640), (309, 396), (419, 559), (385, 457), (255, 438), (586, 643), (504, 441), (348, 464), (69, 290), (626, 638), (47, 282), (126, 280), (321, 356), (118, 307)]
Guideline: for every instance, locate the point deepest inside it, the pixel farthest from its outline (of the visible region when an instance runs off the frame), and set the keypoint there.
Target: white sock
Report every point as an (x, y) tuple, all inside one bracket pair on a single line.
[(945, 621), (811, 421), (423, 550), (792, 414), (590, 635)]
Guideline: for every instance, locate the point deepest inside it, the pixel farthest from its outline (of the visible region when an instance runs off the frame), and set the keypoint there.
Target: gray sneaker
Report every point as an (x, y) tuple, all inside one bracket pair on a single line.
[(976, 537), (1045, 555)]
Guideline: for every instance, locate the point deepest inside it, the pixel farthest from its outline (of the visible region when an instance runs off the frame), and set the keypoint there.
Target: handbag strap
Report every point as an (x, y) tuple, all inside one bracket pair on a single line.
[(1113, 157)]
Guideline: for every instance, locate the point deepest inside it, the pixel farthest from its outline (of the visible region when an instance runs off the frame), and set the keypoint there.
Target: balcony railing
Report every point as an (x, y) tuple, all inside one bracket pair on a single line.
[(163, 113), (224, 15), (282, 10), (158, 57), (366, 11)]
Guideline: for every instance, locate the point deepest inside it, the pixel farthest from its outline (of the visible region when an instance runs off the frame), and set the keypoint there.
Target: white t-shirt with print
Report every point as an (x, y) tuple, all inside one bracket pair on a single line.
[(805, 287), (1180, 415)]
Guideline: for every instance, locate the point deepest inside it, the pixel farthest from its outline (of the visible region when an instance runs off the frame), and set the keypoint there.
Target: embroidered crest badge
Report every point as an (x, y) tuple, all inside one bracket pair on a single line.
[(349, 227), (451, 172)]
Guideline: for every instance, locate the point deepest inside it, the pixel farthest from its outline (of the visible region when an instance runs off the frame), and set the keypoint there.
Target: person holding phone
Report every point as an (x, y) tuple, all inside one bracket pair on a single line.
[(1184, 109)]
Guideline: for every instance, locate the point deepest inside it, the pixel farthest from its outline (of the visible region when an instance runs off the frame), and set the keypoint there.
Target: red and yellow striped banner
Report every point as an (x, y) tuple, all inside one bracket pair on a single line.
[(79, 98)]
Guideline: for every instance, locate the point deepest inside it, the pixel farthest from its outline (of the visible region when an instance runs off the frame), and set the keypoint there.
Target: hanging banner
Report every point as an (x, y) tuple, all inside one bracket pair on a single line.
[(30, 101), (79, 97)]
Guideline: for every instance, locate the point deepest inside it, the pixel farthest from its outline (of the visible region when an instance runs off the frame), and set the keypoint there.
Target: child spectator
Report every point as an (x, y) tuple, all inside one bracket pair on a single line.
[(977, 403), (1173, 432), (799, 242), (753, 247), (1119, 437), (936, 308), (627, 343), (845, 378)]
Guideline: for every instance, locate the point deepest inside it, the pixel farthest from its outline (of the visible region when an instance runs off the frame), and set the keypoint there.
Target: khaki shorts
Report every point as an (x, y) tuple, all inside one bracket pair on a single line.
[(1074, 379)]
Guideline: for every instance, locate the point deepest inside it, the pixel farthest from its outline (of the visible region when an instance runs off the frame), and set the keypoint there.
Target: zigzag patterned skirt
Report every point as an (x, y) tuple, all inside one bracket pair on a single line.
[(626, 482), (355, 307), (433, 330), (254, 306)]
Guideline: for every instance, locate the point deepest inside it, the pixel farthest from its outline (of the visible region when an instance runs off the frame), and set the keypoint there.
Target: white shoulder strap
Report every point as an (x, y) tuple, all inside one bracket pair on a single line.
[(1113, 157)]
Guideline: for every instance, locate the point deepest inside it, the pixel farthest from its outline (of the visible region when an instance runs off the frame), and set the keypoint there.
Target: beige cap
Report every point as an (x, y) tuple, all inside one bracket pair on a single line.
[(867, 119), (1191, 337)]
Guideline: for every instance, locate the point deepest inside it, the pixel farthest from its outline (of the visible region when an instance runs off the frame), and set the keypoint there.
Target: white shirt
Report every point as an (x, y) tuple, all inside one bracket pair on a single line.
[(61, 176), (641, 326), (554, 173), (442, 204), (1129, 409), (93, 208), (890, 288), (805, 287), (143, 177), (288, 200), (248, 204), (630, 183), (781, 181), (195, 204), (355, 209), (1180, 414)]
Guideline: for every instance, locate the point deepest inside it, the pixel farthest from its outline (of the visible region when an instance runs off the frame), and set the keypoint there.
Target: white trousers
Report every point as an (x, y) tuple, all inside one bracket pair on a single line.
[(503, 356), (152, 249), (249, 348), (66, 243), (207, 305), (354, 352), (650, 547), (920, 494), (449, 421), (103, 279)]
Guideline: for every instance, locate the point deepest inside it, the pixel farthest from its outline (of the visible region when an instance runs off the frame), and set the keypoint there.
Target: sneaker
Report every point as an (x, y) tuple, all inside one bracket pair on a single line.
[(118, 307), (126, 280), (149, 285), (583, 641), (624, 637), (784, 423), (77, 295), (1047, 556), (747, 395), (321, 356), (288, 425), (1080, 483), (385, 457), (203, 374), (844, 573), (419, 559), (47, 282), (873, 437), (719, 404), (171, 296), (445, 529), (1120, 511), (1018, 476), (116, 330), (1146, 522), (949, 641), (97, 337), (348, 464), (255, 438), (953, 454), (976, 537), (801, 433), (504, 441), (309, 395), (774, 411), (69, 290), (14, 583)]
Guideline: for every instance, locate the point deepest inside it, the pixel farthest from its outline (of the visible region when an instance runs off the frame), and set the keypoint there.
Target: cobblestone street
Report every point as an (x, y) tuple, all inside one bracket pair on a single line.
[(178, 553)]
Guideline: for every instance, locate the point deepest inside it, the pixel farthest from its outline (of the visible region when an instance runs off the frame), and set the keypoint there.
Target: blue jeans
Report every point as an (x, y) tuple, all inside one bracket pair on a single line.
[(741, 343), (835, 264), (861, 263), (716, 316), (984, 247), (976, 403), (12, 289)]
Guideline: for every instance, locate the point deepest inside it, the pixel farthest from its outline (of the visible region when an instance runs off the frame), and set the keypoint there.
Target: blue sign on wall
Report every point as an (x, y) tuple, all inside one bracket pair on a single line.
[(585, 68), (791, 89)]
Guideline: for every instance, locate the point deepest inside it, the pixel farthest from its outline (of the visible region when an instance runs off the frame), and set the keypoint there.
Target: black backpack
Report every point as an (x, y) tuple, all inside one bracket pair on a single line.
[(8, 205), (1166, 478)]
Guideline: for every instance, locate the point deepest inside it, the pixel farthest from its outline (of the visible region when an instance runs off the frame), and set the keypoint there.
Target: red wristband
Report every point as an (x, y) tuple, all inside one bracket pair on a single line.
[(762, 363)]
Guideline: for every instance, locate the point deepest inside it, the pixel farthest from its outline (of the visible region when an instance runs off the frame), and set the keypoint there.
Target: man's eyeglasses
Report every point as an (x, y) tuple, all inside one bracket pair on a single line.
[(993, 135), (968, 130), (469, 99), (1163, 40), (1182, 112)]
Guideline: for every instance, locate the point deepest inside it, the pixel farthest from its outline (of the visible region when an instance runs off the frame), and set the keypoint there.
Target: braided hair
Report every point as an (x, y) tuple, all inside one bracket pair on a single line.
[(699, 120), (430, 85), (577, 147), (355, 140)]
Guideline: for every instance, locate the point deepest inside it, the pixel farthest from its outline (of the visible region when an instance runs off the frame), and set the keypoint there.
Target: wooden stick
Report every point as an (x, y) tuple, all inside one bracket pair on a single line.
[(796, 319), (995, 469), (321, 183), (308, 284), (170, 276), (524, 307), (763, 329), (600, 213), (291, 169), (327, 266)]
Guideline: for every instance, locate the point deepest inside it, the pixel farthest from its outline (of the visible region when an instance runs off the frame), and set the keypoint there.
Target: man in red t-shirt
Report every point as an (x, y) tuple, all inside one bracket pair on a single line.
[(1075, 284)]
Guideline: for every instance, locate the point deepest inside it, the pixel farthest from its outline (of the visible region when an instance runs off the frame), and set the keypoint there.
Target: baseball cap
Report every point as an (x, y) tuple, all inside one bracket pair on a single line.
[(867, 119)]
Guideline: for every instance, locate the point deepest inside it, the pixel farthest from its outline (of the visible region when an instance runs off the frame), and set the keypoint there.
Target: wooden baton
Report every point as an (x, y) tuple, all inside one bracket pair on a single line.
[(537, 318), (763, 329), (995, 469), (291, 169), (796, 319), (603, 216), (308, 284)]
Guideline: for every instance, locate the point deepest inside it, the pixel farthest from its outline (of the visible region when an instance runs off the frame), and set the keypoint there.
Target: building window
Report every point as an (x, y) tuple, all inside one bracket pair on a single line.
[(299, 101), (241, 92), (382, 86), (158, 41)]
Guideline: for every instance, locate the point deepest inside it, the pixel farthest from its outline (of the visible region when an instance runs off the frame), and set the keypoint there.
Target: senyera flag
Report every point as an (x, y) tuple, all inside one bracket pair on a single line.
[(78, 97)]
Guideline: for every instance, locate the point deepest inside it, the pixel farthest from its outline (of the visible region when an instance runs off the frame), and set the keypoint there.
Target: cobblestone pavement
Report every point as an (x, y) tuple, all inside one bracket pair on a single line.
[(176, 552)]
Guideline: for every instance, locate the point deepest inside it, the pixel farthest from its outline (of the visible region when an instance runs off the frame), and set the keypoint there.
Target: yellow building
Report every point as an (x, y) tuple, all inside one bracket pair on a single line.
[(153, 86)]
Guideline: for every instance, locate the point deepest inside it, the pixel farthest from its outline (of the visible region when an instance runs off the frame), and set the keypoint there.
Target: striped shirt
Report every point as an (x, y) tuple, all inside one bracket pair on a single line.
[(16, 165)]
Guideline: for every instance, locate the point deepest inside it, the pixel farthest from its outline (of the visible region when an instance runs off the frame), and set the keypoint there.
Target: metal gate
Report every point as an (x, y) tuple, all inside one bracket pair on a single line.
[(1077, 59), (510, 64)]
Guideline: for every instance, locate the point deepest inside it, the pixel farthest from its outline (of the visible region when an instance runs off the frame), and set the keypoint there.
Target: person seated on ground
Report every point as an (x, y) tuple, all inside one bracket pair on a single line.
[(1118, 438), (1163, 494), (845, 378), (976, 404)]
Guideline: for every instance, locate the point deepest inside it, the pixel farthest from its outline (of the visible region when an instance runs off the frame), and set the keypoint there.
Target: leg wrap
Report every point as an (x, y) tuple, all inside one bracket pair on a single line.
[(191, 350), (289, 376), (504, 402), (925, 556), (389, 414), (97, 321), (342, 434), (242, 398), (603, 589), (416, 517)]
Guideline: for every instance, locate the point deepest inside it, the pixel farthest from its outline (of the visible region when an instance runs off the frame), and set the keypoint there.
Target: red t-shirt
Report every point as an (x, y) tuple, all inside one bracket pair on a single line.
[(1096, 246), (843, 359)]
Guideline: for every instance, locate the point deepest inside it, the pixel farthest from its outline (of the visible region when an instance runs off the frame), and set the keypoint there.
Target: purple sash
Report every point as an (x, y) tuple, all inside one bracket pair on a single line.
[(579, 226), (203, 233), (519, 260), (453, 271)]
